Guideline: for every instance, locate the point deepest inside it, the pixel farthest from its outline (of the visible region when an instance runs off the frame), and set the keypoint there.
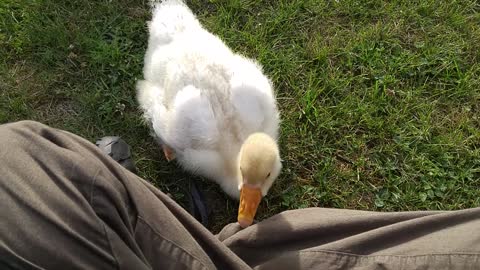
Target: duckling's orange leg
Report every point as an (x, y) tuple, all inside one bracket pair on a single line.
[(168, 152)]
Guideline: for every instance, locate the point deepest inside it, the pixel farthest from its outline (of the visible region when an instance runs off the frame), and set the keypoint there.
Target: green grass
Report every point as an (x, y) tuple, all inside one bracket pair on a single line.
[(380, 100)]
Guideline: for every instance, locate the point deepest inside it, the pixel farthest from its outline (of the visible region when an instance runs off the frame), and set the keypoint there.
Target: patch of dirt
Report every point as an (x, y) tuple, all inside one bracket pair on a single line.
[(57, 111), (39, 89)]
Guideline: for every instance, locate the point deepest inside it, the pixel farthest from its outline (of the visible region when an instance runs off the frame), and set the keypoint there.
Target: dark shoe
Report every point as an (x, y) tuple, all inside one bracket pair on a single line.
[(119, 150)]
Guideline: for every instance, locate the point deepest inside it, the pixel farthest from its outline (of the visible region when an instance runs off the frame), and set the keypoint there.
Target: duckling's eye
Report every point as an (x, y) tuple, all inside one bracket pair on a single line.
[(268, 175)]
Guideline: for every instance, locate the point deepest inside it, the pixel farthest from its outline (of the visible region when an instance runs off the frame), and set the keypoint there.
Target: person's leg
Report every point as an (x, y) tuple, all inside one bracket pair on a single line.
[(65, 205), (317, 238)]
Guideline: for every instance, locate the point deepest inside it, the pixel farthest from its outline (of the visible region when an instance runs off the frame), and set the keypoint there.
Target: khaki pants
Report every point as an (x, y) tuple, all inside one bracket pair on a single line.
[(65, 205)]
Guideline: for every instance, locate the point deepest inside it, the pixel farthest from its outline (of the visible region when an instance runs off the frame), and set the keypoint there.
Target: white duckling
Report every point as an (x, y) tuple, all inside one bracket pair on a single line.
[(213, 111)]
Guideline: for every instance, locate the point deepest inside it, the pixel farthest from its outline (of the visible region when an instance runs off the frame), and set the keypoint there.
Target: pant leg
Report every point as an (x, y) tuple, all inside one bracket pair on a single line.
[(319, 238), (65, 205)]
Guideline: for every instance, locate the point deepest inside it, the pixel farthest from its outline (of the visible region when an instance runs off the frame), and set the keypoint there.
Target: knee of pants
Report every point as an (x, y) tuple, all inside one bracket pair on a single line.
[(25, 125), (17, 135)]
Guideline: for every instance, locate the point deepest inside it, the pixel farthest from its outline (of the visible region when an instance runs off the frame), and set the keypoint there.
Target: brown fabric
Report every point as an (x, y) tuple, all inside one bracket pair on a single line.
[(318, 238), (65, 205)]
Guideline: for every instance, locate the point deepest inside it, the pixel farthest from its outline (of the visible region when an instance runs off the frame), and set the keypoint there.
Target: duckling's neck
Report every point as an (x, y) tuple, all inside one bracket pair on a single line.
[(233, 176), (238, 172), (231, 179)]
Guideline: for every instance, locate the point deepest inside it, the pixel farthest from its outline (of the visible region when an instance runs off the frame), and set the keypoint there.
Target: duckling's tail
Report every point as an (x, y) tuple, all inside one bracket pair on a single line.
[(170, 17)]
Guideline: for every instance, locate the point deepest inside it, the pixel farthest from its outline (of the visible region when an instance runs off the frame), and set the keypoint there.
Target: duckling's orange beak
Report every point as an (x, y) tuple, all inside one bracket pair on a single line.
[(250, 198)]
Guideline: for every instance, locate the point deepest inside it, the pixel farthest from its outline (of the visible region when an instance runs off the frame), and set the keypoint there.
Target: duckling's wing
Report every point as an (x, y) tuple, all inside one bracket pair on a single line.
[(192, 123), (253, 98)]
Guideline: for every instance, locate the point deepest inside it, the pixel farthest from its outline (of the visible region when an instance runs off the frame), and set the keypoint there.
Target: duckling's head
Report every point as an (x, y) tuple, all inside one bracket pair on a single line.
[(260, 165)]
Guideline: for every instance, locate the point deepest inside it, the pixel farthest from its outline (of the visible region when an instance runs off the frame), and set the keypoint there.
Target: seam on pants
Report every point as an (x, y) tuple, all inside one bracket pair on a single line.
[(171, 242), (393, 255), (101, 223)]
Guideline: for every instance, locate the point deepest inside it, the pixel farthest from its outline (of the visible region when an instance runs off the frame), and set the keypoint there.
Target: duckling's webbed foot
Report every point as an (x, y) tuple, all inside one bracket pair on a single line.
[(168, 152)]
